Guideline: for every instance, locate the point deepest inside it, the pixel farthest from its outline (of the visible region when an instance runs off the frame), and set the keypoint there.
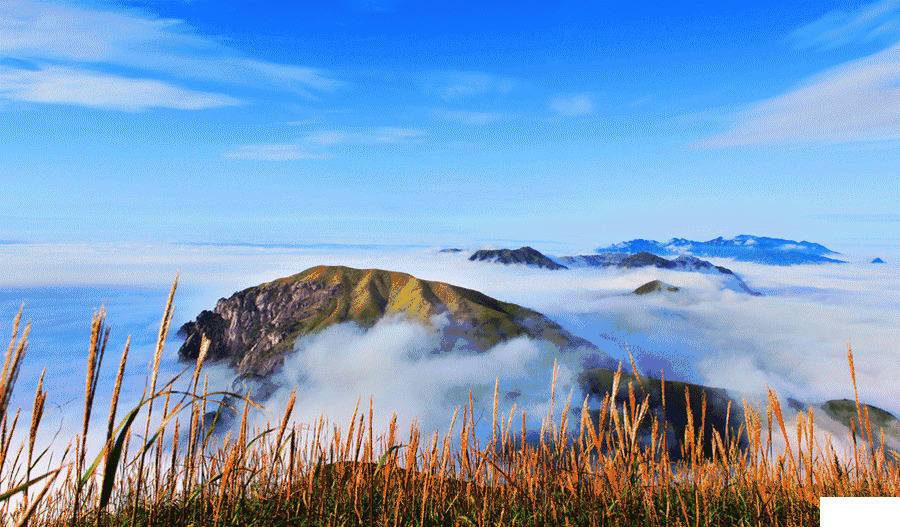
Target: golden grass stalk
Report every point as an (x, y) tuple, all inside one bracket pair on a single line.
[(607, 478)]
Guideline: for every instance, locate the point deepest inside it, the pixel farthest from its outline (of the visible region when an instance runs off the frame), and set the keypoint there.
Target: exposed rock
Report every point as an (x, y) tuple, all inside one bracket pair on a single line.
[(255, 329), (594, 260), (654, 286), (523, 255), (453, 250), (643, 259), (878, 260)]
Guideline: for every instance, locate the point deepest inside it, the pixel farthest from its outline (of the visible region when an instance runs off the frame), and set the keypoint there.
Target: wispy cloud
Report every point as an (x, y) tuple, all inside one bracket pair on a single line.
[(838, 28), (75, 37), (274, 152), (470, 118), (87, 88), (859, 217), (573, 106), (311, 146), (459, 85), (858, 101), (362, 136)]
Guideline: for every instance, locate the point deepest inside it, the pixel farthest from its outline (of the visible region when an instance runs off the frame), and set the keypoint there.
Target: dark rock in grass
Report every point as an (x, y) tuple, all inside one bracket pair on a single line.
[(843, 410), (598, 382)]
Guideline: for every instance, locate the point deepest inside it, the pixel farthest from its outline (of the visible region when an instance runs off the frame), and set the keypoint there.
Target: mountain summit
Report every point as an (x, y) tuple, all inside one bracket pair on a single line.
[(524, 255), (255, 329)]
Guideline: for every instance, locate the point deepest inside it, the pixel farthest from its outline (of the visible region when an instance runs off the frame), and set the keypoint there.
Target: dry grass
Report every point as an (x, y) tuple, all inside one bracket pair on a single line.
[(289, 475)]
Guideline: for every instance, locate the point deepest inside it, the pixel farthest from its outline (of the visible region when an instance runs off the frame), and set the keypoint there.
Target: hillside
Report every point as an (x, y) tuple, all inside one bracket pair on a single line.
[(255, 328)]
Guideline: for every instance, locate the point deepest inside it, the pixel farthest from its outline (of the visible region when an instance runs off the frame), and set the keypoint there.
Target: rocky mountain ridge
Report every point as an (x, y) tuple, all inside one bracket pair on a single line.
[(645, 259), (522, 255), (256, 328)]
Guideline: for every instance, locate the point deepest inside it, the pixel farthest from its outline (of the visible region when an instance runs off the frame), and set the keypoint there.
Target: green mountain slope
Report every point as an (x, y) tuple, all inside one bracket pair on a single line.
[(256, 328)]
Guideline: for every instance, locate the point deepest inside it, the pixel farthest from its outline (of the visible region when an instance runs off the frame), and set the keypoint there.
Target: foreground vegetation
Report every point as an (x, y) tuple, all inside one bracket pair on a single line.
[(177, 473)]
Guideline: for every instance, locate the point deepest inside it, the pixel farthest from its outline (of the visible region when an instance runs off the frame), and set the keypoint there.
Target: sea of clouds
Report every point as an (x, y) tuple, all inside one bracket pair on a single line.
[(793, 339)]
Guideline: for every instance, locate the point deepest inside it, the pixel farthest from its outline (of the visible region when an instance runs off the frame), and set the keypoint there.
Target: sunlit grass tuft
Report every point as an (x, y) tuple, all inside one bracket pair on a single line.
[(288, 475)]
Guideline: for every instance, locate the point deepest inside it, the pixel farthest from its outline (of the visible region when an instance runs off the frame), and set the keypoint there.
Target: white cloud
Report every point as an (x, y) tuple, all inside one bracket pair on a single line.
[(370, 136), (310, 146), (398, 364), (794, 338), (839, 28), (469, 118), (457, 85), (858, 101), (40, 31), (574, 106), (61, 85), (274, 152)]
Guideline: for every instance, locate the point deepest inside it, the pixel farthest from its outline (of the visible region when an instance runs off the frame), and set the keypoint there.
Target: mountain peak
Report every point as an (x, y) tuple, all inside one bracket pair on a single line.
[(523, 255), (255, 329)]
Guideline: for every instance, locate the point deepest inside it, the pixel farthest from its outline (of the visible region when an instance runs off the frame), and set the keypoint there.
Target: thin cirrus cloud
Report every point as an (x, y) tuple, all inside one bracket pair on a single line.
[(54, 35), (460, 85), (362, 137), (857, 101), (573, 106), (469, 118), (275, 152), (310, 146), (60, 85), (838, 28)]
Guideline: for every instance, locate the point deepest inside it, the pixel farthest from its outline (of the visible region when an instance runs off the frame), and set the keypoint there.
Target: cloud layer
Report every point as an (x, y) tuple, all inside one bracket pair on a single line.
[(793, 340), (858, 101), (311, 146)]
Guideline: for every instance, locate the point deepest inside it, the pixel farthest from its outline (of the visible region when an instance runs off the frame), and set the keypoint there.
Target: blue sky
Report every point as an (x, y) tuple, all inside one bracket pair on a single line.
[(370, 121)]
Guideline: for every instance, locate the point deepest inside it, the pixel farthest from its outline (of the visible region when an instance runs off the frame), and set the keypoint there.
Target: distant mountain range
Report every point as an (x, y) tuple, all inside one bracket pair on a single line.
[(646, 259), (534, 258), (743, 248)]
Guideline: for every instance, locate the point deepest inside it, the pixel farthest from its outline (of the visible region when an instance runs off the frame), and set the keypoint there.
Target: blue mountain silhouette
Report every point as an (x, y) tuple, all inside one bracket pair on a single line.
[(743, 248)]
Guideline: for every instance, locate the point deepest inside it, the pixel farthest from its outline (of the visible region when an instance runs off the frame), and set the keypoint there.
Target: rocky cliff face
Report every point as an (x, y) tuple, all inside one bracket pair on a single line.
[(256, 328)]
